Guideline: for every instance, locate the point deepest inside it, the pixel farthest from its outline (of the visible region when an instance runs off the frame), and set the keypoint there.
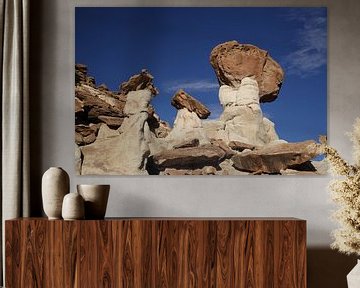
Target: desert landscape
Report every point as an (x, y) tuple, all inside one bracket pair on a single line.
[(120, 133)]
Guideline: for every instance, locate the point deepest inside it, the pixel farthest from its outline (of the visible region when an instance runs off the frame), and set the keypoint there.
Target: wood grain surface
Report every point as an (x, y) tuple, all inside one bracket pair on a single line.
[(157, 253)]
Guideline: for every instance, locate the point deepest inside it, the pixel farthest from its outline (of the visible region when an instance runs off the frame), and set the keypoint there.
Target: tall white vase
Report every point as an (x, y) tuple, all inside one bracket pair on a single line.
[(55, 185), (353, 278)]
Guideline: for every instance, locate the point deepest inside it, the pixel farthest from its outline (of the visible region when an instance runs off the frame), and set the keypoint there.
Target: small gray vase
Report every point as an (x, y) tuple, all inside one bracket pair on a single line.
[(73, 207)]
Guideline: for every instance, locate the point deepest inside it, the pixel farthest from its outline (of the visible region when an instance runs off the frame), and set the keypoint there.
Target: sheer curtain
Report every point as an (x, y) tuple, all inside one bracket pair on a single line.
[(14, 38)]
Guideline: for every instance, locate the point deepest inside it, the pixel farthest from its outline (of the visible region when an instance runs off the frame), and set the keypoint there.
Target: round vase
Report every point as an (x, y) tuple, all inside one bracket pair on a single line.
[(73, 207), (55, 185), (96, 198)]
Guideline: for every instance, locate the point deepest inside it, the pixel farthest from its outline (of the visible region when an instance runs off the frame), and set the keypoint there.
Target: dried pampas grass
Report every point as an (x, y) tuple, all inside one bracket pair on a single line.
[(345, 191)]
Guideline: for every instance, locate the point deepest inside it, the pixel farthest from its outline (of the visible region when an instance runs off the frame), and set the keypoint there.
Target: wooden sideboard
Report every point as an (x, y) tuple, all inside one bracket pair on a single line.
[(156, 252)]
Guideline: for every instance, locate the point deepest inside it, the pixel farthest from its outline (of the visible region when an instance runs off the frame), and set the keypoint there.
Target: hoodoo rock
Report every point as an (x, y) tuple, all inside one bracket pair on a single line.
[(141, 81), (233, 61), (242, 115), (126, 153), (274, 158), (120, 133), (182, 100)]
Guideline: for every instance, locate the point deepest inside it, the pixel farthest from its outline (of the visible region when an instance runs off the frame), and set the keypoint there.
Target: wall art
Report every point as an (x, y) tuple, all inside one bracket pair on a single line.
[(200, 91)]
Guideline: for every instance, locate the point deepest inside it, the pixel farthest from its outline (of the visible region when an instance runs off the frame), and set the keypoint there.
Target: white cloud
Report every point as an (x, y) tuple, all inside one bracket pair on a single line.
[(310, 43), (198, 85)]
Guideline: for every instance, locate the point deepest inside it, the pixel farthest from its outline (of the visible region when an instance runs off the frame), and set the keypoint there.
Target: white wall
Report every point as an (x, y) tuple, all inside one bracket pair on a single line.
[(303, 197)]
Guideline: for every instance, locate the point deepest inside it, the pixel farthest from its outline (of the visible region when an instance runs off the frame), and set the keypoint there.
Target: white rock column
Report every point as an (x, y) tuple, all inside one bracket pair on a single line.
[(242, 114)]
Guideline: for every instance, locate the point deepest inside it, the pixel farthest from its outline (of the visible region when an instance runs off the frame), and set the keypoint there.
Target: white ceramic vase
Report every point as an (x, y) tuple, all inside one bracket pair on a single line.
[(55, 185), (353, 278), (96, 198), (73, 207)]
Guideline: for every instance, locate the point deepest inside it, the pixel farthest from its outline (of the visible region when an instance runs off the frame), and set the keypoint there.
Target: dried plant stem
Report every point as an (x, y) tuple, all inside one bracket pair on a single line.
[(345, 191)]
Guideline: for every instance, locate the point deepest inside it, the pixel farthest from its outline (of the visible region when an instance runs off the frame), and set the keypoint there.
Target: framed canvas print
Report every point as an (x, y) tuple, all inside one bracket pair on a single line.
[(200, 91)]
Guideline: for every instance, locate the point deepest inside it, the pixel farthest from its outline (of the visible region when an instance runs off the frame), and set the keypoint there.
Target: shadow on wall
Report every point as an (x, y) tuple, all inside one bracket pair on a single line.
[(37, 10), (328, 268)]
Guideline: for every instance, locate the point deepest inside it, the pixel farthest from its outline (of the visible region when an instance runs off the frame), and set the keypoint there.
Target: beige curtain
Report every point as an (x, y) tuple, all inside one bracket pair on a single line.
[(14, 38)]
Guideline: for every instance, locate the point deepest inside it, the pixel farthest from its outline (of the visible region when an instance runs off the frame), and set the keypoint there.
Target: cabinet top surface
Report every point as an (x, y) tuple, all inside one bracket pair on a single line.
[(174, 219)]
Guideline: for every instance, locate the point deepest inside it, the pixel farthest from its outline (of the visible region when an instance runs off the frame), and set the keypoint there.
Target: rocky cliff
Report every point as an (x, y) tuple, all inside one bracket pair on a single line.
[(120, 133)]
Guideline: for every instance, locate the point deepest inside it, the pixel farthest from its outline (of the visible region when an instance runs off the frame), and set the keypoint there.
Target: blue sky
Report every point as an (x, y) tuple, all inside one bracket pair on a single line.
[(174, 44)]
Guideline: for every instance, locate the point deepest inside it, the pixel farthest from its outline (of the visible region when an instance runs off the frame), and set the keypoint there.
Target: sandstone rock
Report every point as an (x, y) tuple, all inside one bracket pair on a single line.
[(188, 158), (137, 102), (111, 98), (246, 93), (207, 170), (214, 129), (126, 153), (85, 135), (81, 76), (227, 169), (246, 127), (181, 100), (187, 126), (274, 158), (80, 73), (240, 146), (103, 87), (268, 133), (94, 106), (189, 143), (157, 126), (242, 115), (163, 130), (112, 122), (105, 132), (186, 120), (233, 61), (221, 144), (141, 81)]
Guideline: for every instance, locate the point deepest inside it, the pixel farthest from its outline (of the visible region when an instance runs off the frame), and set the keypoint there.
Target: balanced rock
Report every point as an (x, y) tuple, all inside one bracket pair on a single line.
[(233, 61), (274, 158), (141, 81), (181, 100), (189, 158), (187, 126)]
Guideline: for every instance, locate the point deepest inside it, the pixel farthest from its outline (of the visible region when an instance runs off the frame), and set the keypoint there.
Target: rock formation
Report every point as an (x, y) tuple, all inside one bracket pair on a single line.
[(141, 81), (112, 128), (233, 61), (189, 158), (183, 100), (188, 123), (273, 159), (126, 153), (94, 106), (242, 114), (120, 133)]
